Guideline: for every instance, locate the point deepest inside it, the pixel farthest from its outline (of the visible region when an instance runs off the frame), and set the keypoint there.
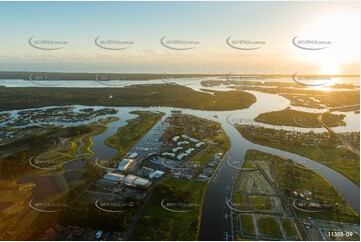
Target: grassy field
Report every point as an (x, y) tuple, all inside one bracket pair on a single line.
[(127, 136), (159, 224), (268, 227), (247, 225), (289, 228), (294, 178), (289, 117)]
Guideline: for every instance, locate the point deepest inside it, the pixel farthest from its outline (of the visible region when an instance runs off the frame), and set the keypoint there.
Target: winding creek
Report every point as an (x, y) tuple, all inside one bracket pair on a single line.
[(213, 224)]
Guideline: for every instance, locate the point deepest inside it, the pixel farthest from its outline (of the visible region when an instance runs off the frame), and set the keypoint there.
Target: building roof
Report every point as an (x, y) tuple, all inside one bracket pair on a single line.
[(177, 148), (183, 143), (190, 150), (175, 138), (130, 179), (168, 154), (113, 176), (123, 165), (156, 174), (180, 156), (133, 155), (142, 182), (199, 144)]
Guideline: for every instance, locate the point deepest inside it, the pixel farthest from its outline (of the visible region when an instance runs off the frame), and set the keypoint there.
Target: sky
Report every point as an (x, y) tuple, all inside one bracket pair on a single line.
[(206, 26)]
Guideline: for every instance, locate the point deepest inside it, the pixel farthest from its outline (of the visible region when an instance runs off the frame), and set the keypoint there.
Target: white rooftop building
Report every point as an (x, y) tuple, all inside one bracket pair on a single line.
[(133, 155), (189, 151), (185, 136), (141, 182), (156, 174), (129, 180), (193, 140), (183, 143), (178, 148), (175, 138), (189, 138), (168, 154), (114, 177), (132, 180), (200, 144), (124, 164), (180, 156)]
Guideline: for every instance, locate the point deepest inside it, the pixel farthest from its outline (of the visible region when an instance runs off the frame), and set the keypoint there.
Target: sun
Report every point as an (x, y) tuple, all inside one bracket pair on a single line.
[(342, 30)]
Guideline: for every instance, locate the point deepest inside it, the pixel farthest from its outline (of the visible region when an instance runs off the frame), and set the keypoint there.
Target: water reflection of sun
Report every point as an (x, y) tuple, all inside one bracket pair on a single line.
[(327, 87), (323, 88)]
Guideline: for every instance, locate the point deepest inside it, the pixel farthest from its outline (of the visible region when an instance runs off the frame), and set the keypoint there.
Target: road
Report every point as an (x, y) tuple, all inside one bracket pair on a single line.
[(344, 141)]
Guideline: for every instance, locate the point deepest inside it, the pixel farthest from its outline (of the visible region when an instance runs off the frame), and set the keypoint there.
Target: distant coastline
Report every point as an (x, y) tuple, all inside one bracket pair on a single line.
[(26, 75)]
